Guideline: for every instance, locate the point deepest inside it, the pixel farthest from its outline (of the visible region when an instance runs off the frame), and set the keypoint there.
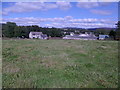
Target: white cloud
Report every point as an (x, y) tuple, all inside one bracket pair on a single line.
[(68, 17), (101, 12), (87, 4), (81, 25), (104, 3), (32, 6), (20, 7), (23, 7), (67, 21), (63, 5)]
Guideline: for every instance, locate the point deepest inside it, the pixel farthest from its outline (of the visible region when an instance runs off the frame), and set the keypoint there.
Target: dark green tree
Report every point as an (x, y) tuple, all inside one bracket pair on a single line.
[(112, 34), (8, 30), (17, 31), (118, 31)]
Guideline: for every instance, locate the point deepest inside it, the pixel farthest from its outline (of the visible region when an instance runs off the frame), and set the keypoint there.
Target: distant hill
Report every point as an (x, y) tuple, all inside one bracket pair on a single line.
[(89, 28)]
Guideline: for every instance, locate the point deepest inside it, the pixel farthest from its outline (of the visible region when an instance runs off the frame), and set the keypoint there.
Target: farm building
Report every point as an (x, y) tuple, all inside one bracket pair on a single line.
[(39, 35), (103, 37), (85, 36)]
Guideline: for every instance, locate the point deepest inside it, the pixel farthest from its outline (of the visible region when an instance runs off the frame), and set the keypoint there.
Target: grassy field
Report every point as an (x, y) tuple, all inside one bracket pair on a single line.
[(60, 64)]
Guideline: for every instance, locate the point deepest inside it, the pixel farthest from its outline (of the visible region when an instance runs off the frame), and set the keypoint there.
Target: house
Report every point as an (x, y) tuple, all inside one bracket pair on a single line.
[(39, 35), (86, 36), (103, 37)]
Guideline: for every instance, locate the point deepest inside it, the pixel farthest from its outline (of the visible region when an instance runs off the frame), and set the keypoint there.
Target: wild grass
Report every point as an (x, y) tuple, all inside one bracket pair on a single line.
[(60, 64)]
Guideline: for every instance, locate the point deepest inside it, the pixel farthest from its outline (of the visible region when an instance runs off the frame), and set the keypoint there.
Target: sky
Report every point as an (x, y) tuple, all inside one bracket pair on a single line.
[(61, 14)]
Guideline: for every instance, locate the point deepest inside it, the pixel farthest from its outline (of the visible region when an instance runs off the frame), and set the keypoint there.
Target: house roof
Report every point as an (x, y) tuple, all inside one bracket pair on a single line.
[(36, 33), (44, 35), (80, 36)]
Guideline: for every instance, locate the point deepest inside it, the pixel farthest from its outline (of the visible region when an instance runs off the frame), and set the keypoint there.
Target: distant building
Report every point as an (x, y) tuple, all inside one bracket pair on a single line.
[(86, 36), (72, 34), (64, 32), (39, 35), (103, 37)]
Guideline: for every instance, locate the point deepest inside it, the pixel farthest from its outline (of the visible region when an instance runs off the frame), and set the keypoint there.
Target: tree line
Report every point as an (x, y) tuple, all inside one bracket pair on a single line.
[(10, 29)]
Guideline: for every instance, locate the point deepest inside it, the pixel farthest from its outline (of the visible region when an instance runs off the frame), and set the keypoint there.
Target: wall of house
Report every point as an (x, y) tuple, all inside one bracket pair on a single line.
[(35, 36), (30, 35)]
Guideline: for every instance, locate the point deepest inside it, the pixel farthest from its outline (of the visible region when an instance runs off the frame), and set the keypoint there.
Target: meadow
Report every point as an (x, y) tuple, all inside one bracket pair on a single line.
[(59, 64)]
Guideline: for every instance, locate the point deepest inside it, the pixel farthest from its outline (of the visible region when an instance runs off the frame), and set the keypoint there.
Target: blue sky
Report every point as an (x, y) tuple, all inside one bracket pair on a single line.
[(61, 14)]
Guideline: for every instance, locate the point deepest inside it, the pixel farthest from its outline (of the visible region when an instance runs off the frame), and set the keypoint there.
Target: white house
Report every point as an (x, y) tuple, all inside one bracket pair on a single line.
[(39, 35)]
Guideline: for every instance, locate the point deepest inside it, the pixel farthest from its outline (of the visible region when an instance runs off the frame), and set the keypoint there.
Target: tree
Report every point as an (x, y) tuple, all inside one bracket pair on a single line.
[(56, 32), (17, 31), (9, 29), (118, 31), (112, 34), (3, 29), (102, 31)]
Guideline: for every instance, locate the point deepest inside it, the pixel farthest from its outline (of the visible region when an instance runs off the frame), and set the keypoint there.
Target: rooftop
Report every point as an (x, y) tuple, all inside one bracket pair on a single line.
[(36, 33)]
